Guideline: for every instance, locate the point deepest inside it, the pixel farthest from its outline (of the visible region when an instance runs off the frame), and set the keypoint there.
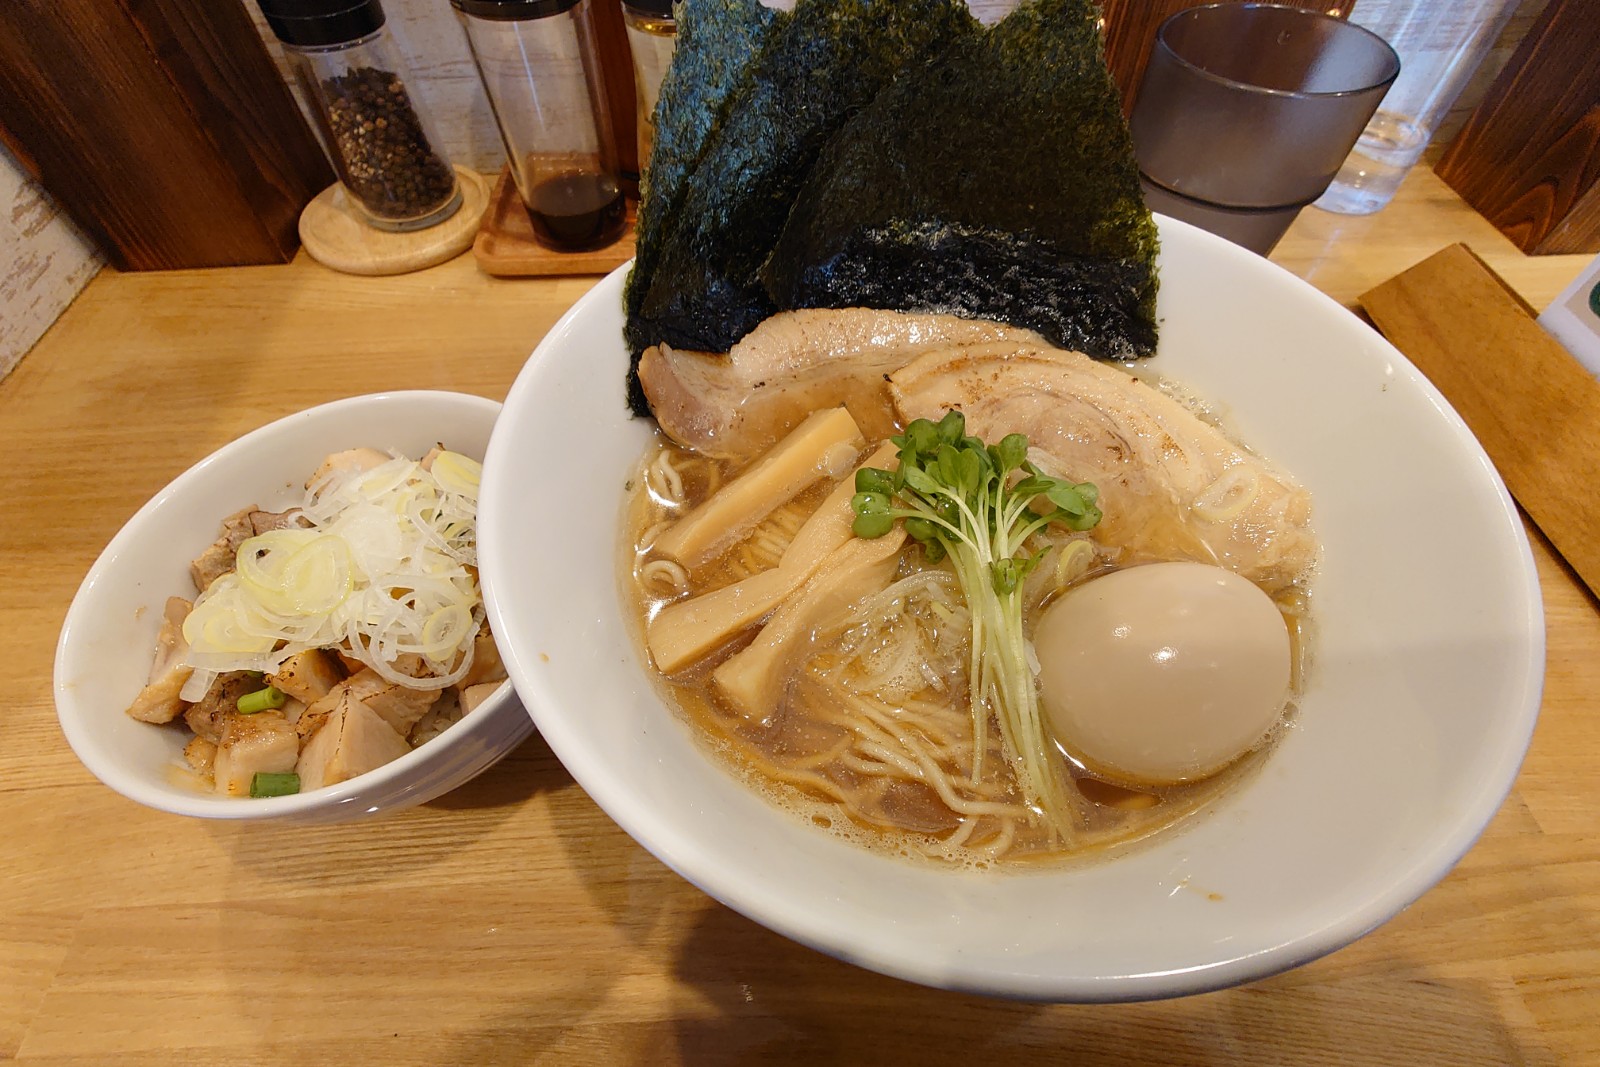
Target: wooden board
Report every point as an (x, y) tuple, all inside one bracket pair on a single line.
[(505, 245), (1529, 157), (336, 233), (1534, 407), (161, 126)]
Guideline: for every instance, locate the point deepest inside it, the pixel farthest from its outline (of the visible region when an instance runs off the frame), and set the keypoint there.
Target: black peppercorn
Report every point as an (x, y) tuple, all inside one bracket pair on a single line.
[(387, 162)]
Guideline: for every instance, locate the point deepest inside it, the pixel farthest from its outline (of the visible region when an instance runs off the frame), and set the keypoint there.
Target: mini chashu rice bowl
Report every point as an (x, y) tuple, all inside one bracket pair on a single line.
[(1409, 734), (108, 640)]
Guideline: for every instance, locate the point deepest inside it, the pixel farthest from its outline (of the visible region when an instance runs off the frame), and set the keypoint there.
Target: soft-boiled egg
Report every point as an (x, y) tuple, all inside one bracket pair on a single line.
[(1162, 673)]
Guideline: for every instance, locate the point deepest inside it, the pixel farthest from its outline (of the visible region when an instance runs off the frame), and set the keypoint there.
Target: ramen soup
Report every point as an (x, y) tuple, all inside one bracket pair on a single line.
[(872, 674)]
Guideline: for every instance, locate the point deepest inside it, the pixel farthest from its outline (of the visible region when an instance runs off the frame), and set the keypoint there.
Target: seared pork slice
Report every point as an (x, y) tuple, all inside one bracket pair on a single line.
[(445, 713), (158, 701), (794, 363), (351, 461), (824, 445), (399, 706), (1171, 485), (207, 716), (308, 675), (219, 559), (354, 740), (263, 743), (752, 680)]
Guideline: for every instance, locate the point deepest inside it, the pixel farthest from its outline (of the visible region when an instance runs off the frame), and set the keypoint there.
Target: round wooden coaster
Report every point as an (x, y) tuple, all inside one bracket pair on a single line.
[(337, 235)]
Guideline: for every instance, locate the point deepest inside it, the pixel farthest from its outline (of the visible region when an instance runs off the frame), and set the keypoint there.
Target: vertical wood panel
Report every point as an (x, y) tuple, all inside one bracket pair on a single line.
[(1130, 29), (160, 126), (1529, 157)]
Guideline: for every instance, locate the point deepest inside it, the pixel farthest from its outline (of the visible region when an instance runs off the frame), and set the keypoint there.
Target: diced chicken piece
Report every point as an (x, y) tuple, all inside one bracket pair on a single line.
[(265, 521), (200, 755), (219, 559), (354, 740), (473, 695), (263, 743), (822, 446), (751, 680), (682, 632), (308, 675), (486, 663), (794, 363), (159, 701), (1171, 485), (208, 715), (399, 706), (351, 461)]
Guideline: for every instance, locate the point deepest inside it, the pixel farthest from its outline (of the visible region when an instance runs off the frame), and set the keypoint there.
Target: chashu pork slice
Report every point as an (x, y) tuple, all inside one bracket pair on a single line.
[(736, 406), (1171, 485)]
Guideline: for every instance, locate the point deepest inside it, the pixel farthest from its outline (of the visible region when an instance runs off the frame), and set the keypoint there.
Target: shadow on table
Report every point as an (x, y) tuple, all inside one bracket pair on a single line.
[(372, 851), (776, 1002)]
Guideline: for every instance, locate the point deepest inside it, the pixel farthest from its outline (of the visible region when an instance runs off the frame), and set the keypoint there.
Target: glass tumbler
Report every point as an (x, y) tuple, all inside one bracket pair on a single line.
[(382, 144), (1246, 112), (542, 76), (1439, 47)]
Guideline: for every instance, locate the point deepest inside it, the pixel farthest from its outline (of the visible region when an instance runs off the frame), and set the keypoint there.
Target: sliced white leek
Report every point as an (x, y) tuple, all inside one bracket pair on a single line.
[(385, 566)]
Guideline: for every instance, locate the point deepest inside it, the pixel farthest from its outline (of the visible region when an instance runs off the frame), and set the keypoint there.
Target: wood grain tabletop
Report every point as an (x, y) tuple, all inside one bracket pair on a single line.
[(511, 921)]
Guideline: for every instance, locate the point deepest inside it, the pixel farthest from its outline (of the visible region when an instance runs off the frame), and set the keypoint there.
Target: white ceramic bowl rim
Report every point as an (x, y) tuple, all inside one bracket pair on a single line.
[(842, 925), (90, 747)]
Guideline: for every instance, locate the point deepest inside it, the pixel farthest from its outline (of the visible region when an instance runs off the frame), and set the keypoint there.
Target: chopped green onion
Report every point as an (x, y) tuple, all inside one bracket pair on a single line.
[(261, 700), (274, 785)]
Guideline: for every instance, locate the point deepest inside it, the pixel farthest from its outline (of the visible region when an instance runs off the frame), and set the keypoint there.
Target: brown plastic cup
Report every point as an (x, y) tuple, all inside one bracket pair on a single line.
[(1247, 111)]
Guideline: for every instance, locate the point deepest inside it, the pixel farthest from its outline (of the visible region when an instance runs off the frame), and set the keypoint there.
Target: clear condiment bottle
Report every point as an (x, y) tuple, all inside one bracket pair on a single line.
[(539, 67), (380, 141), (652, 35)]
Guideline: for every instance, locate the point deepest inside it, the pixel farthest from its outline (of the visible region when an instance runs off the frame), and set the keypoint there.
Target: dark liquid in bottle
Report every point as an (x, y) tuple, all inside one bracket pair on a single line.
[(573, 212)]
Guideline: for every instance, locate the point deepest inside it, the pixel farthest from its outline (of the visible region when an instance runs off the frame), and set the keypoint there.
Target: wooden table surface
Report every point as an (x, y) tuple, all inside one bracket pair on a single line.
[(511, 921)]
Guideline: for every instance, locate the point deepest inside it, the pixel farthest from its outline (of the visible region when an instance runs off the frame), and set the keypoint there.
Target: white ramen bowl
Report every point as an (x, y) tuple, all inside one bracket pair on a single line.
[(1429, 650), (109, 637)]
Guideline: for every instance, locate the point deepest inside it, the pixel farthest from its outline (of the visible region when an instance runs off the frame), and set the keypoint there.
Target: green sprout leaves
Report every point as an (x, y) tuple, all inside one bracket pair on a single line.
[(979, 504), (951, 489)]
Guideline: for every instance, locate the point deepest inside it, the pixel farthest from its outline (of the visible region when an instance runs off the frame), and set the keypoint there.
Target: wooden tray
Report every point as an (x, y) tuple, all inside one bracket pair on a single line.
[(505, 245), (1534, 407)]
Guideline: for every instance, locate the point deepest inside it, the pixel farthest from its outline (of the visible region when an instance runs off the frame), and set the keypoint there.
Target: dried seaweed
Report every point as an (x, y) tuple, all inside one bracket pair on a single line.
[(717, 42), (828, 61), (998, 182)]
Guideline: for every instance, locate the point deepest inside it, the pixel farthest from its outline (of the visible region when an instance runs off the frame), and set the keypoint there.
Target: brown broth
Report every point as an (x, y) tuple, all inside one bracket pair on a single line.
[(801, 758)]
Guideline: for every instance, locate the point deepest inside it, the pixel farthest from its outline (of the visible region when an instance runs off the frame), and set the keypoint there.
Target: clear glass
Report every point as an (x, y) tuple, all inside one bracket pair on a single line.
[(651, 38), (1246, 112), (1440, 45), (548, 96), (378, 137)]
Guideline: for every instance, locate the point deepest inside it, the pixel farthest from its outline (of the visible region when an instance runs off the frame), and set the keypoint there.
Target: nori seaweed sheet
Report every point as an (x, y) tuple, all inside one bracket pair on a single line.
[(716, 43), (999, 182), (830, 59)]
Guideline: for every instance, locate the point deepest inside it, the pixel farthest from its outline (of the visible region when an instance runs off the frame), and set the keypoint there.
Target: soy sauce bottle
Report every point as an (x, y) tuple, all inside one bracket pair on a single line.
[(541, 71)]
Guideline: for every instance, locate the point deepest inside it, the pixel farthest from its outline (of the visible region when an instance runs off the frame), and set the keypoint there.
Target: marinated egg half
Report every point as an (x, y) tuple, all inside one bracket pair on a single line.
[(1163, 673)]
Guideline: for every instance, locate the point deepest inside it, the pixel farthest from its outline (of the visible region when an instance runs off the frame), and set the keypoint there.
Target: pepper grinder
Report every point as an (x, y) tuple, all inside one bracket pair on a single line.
[(398, 204)]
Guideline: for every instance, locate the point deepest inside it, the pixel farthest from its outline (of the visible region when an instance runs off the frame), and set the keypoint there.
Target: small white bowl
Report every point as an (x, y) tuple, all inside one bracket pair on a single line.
[(109, 637), (1429, 658)]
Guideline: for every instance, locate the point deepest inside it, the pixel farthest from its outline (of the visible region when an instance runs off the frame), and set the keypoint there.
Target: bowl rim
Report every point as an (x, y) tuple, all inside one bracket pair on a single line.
[(74, 719), (684, 853)]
